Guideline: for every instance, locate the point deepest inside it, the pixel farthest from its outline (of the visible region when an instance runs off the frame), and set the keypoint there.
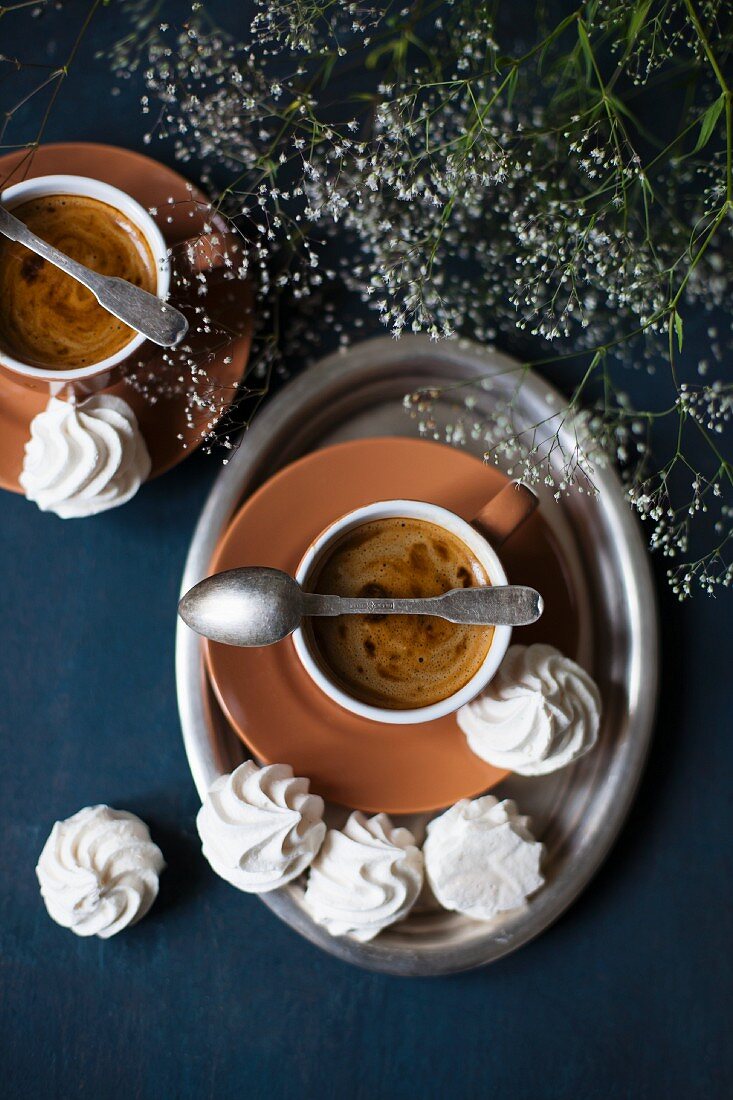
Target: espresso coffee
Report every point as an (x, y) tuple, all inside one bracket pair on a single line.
[(47, 319), (398, 661)]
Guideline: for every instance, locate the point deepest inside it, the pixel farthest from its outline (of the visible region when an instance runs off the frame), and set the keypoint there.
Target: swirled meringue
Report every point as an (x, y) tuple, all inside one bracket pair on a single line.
[(366, 876), (98, 871), (539, 713), (481, 859), (260, 827), (83, 459)]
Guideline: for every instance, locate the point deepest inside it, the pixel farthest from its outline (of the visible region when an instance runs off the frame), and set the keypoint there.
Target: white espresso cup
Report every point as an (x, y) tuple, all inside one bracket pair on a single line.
[(496, 521), (95, 376)]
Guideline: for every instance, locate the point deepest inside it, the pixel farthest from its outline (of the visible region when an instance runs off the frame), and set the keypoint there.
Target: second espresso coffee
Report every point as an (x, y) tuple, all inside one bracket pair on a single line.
[(398, 661), (47, 319)]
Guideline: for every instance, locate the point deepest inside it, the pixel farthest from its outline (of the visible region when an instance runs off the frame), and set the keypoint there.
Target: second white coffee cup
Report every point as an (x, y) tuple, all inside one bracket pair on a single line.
[(83, 380)]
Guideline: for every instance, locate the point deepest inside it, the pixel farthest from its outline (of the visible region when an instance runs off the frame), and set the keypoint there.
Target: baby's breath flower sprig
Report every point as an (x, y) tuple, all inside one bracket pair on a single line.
[(564, 189), (507, 192)]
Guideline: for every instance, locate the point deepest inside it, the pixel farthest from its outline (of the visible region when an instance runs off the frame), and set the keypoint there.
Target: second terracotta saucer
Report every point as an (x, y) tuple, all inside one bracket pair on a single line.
[(170, 431), (270, 700)]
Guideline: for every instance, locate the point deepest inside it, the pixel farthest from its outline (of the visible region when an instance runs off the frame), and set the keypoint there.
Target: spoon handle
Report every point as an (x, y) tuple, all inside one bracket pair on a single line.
[(143, 312), (504, 605)]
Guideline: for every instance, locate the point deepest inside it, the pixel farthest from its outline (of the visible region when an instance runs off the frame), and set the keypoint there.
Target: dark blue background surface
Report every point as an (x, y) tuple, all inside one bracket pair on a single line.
[(630, 994)]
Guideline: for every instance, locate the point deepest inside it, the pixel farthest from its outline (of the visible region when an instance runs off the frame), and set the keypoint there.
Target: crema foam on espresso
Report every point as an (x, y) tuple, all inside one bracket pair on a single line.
[(398, 661), (47, 319)]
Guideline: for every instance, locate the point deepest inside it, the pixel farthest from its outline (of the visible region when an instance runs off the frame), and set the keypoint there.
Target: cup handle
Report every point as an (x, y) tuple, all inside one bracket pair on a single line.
[(505, 512)]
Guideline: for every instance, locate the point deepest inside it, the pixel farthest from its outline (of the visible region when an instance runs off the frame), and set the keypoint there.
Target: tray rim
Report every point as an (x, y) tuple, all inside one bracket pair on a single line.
[(193, 690)]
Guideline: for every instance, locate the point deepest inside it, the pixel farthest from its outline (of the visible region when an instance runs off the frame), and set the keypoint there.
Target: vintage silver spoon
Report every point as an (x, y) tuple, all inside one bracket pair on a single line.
[(259, 606), (144, 312)]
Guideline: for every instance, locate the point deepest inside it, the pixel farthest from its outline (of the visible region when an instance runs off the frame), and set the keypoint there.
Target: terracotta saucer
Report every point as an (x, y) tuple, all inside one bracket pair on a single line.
[(167, 429), (269, 699)]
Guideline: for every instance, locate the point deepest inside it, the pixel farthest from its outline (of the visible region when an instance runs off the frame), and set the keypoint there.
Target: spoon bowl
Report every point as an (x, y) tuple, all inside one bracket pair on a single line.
[(245, 607)]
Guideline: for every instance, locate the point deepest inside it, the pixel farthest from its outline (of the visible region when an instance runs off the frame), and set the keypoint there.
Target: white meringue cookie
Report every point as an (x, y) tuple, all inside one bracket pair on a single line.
[(83, 459), (539, 713), (260, 827), (366, 876), (98, 871), (481, 859)]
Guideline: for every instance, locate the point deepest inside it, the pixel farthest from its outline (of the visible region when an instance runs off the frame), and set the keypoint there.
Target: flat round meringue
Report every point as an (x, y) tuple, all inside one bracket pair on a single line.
[(481, 859), (260, 827), (539, 713), (84, 458), (366, 876), (98, 871)]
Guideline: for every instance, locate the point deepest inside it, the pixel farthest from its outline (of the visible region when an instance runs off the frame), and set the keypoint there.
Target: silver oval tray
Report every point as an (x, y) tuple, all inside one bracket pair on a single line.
[(577, 812)]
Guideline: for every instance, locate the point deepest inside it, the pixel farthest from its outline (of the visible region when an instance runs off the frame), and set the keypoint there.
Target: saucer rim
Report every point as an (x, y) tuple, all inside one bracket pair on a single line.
[(208, 649)]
